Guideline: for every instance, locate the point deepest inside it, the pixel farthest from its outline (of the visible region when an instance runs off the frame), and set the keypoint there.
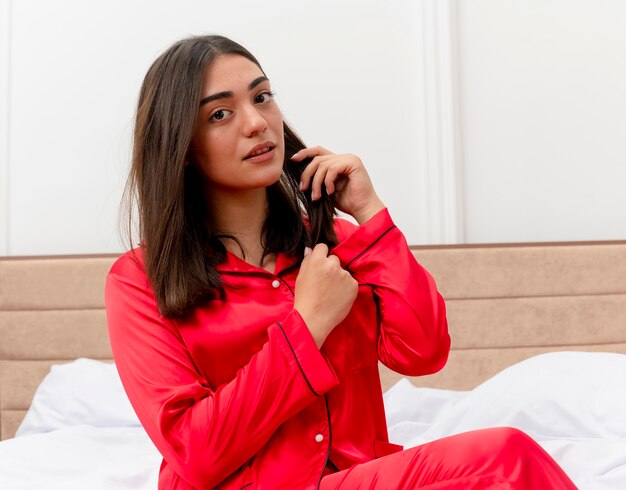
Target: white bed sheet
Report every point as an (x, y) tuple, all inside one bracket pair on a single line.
[(573, 404), (80, 458)]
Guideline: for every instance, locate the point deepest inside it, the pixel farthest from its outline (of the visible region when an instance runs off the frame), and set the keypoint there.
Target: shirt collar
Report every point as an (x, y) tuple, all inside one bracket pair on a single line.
[(235, 265)]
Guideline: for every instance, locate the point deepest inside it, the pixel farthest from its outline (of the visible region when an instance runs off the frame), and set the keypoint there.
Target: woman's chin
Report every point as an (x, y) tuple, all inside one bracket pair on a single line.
[(272, 178)]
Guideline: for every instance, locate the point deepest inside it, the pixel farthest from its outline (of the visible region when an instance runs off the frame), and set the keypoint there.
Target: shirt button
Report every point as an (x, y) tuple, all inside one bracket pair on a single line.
[(319, 438), (275, 283)]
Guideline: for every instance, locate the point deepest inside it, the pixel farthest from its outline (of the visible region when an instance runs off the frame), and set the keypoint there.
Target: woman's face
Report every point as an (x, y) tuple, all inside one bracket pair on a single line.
[(238, 141)]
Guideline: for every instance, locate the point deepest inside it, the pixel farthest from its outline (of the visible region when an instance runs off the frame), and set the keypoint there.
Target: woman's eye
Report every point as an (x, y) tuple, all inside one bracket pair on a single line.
[(263, 97), (219, 115)]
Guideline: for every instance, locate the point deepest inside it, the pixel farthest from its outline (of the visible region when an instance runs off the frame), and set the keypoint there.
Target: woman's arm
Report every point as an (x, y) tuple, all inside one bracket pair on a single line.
[(206, 434), (413, 336), (413, 331)]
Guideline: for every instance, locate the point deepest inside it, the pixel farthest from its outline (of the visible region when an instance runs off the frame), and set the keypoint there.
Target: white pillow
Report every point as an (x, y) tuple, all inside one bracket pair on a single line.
[(82, 392), (555, 395), (411, 410)]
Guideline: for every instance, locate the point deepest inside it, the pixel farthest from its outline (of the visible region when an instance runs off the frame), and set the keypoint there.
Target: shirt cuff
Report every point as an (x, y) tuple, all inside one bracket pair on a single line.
[(299, 344), (363, 238)]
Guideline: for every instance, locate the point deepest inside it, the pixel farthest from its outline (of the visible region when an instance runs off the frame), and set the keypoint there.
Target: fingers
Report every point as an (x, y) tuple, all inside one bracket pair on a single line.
[(329, 181), (308, 172), (326, 175), (324, 170), (319, 156), (310, 152), (318, 178), (320, 252)]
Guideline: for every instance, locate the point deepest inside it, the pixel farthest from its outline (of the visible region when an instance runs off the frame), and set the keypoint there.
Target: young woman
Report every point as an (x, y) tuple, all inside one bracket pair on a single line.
[(248, 325)]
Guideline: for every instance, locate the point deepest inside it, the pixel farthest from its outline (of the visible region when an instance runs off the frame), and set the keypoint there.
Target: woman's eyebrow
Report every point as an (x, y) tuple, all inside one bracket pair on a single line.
[(228, 93)]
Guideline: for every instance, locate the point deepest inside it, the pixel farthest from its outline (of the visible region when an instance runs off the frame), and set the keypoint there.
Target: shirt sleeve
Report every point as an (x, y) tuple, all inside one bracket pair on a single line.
[(413, 331), (206, 434)]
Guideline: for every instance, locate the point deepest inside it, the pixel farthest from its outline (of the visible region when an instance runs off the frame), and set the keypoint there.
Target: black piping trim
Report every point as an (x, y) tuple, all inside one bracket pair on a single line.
[(297, 362), (371, 244), (246, 273), (288, 286)]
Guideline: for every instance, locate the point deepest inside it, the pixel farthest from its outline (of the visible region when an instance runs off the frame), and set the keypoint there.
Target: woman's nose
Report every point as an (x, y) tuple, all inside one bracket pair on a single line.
[(253, 121)]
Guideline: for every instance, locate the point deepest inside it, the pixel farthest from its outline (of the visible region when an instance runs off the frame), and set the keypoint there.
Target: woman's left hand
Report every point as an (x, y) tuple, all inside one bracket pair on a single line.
[(343, 175)]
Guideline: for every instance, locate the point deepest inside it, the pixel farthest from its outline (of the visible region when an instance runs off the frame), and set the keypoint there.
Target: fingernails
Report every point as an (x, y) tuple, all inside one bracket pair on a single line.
[(307, 251), (300, 186), (294, 155)]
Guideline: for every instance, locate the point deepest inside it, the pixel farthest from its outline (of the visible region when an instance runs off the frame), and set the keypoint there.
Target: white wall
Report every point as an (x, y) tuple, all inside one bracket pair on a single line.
[(5, 36), (348, 76), (543, 119), (479, 121)]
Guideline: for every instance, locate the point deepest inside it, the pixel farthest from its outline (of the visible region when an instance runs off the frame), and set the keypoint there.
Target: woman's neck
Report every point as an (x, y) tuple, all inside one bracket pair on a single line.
[(242, 215)]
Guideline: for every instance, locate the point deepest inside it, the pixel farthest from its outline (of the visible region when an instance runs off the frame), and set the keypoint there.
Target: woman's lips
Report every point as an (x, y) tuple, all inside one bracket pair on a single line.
[(261, 153), (263, 157)]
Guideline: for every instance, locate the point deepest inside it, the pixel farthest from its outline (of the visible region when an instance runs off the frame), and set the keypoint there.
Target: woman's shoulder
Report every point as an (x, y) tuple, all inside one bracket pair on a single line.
[(129, 265)]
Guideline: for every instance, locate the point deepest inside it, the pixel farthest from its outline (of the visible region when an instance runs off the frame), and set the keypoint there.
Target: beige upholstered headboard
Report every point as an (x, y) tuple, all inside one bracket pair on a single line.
[(51, 311), (505, 303)]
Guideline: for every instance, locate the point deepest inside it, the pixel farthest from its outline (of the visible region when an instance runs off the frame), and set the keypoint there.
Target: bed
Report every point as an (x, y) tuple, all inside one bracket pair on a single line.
[(539, 342)]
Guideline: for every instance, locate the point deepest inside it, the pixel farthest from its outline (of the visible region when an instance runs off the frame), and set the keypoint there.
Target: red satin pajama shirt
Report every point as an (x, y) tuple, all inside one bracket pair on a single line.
[(239, 396)]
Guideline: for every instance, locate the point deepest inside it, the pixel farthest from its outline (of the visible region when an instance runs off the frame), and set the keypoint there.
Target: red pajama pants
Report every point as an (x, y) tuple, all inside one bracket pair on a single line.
[(501, 458)]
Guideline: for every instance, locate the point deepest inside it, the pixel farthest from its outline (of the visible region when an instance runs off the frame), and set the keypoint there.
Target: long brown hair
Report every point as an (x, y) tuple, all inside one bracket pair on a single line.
[(180, 248)]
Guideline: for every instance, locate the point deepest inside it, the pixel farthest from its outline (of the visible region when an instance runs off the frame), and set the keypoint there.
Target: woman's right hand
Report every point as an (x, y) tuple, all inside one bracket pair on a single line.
[(324, 292)]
